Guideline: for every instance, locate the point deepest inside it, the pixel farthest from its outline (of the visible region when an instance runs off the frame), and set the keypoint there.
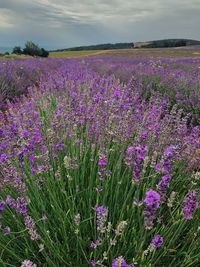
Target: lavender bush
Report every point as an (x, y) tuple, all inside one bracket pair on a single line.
[(16, 76), (93, 173)]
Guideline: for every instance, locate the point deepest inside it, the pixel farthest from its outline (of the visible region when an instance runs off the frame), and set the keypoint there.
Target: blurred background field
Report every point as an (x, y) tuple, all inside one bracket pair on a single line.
[(193, 52), (180, 52), (69, 54)]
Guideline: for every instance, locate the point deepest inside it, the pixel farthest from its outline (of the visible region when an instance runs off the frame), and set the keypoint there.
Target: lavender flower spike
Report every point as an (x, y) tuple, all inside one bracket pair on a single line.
[(163, 185), (152, 202), (2, 205), (120, 262), (191, 204), (102, 214), (28, 263), (102, 163), (157, 241)]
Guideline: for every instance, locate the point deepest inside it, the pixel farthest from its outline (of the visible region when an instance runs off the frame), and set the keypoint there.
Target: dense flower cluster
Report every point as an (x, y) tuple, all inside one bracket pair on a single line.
[(167, 76), (76, 127), (18, 76)]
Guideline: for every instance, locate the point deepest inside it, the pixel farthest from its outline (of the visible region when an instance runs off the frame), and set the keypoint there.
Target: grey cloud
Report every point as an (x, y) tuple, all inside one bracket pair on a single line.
[(76, 22)]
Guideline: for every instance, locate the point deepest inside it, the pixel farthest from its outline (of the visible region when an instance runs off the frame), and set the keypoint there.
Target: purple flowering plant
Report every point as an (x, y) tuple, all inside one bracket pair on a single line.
[(71, 147)]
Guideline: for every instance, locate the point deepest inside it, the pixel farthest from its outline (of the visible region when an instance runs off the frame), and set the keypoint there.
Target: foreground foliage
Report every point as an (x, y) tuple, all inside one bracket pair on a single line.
[(95, 173)]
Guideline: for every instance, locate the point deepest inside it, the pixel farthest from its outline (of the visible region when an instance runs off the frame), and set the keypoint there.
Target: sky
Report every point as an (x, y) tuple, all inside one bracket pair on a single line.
[(67, 23)]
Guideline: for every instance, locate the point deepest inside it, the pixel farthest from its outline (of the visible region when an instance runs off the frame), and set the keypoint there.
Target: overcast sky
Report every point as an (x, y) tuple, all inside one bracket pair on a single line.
[(66, 23)]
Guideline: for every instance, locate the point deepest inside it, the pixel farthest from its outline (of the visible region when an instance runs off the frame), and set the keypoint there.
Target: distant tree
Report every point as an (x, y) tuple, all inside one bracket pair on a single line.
[(17, 50), (44, 53), (31, 49), (6, 54)]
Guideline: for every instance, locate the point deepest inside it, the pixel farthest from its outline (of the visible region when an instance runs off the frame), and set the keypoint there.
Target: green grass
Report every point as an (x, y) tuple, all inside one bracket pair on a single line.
[(69, 54), (142, 52), (14, 56), (154, 52)]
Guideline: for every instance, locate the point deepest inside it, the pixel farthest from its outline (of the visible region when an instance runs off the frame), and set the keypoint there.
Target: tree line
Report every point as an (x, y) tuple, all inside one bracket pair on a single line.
[(172, 43), (99, 47), (151, 44), (30, 49)]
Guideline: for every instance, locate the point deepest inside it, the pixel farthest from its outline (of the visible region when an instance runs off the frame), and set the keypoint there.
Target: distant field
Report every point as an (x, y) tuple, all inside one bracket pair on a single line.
[(14, 56), (193, 51), (69, 54), (65, 54)]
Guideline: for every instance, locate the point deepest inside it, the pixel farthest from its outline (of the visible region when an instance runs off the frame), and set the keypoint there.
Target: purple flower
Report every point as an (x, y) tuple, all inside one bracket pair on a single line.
[(28, 263), (157, 241), (102, 214), (93, 262), (168, 159), (152, 202), (102, 161), (152, 199), (97, 243), (24, 133), (21, 205), (191, 204), (169, 151), (141, 151), (33, 170), (32, 158), (163, 185), (144, 134), (2, 205), (120, 262), (158, 166), (59, 146), (93, 245), (30, 226), (3, 158), (129, 155), (4, 146), (44, 218), (29, 222), (135, 157)]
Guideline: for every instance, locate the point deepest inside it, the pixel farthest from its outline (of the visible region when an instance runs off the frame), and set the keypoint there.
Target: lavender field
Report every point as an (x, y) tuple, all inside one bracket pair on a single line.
[(99, 162)]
